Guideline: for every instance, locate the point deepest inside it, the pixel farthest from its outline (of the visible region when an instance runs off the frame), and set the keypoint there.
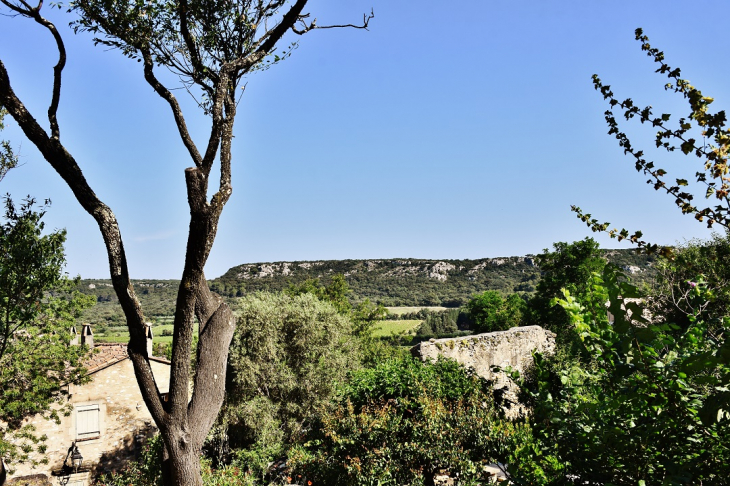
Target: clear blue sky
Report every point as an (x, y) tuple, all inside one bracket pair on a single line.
[(449, 130)]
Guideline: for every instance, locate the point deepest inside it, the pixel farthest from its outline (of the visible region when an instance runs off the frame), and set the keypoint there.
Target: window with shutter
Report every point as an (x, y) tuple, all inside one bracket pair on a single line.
[(87, 422)]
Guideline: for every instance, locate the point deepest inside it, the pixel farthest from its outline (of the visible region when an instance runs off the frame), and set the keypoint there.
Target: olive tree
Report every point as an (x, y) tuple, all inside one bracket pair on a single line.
[(286, 358), (210, 45)]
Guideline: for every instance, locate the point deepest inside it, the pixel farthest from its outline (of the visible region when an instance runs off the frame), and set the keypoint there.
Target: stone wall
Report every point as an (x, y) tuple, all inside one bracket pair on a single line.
[(512, 348), (123, 421)]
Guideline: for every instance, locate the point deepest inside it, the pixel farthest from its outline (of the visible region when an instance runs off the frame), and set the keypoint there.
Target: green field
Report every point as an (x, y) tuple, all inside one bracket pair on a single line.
[(387, 328), (407, 310), (119, 334), (382, 329)]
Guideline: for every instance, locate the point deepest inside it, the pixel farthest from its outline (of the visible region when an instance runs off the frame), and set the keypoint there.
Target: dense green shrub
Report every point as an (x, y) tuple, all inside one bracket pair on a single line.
[(396, 423), (286, 357), (409, 377), (569, 266), (490, 312), (709, 258), (652, 408)]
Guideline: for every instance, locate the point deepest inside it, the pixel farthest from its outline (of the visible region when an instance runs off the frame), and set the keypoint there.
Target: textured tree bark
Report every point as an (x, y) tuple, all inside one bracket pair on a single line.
[(183, 462)]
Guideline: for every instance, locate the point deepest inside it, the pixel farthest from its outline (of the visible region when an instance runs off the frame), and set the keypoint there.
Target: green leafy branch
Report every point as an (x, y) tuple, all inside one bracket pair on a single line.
[(623, 234), (713, 151), (8, 159)]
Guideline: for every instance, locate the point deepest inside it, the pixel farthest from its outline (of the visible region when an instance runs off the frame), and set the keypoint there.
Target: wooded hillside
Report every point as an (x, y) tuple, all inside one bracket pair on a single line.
[(412, 282), (391, 282)]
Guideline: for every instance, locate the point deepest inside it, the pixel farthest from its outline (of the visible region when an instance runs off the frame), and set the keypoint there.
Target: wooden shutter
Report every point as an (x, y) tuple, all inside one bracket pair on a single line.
[(87, 422)]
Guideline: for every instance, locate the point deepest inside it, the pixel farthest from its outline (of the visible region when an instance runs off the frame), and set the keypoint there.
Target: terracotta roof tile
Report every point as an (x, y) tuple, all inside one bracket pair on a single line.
[(106, 354)]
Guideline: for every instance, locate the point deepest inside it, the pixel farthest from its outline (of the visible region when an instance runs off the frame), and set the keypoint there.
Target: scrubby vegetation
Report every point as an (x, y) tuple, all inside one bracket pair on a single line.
[(637, 393), (314, 398), (287, 355), (645, 402), (401, 421)]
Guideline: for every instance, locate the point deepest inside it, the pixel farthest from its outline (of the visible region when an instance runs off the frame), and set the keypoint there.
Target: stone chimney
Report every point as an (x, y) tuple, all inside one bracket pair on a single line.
[(148, 336), (74, 337), (87, 337)]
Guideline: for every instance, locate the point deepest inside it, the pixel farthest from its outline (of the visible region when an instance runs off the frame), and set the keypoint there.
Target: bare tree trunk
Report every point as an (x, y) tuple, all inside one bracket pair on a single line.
[(185, 421), (183, 462)]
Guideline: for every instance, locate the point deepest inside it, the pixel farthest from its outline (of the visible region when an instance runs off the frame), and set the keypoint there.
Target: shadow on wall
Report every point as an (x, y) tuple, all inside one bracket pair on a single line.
[(129, 450), (111, 461), (32, 480)]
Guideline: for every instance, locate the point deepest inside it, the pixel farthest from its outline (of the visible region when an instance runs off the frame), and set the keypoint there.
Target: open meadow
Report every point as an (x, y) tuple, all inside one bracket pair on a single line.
[(395, 328)]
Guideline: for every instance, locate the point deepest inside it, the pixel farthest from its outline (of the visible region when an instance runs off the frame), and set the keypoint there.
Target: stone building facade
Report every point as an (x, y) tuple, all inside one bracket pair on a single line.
[(108, 418)]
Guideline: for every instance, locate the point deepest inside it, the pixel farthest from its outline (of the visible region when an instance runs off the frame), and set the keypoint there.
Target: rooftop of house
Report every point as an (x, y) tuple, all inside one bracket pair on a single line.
[(107, 354)]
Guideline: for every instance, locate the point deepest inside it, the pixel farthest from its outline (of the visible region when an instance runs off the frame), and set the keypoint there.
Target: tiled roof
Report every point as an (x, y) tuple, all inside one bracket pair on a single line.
[(106, 354)]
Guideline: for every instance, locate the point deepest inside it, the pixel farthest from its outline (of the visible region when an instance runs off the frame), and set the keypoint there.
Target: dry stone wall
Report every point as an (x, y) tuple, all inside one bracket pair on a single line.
[(481, 352)]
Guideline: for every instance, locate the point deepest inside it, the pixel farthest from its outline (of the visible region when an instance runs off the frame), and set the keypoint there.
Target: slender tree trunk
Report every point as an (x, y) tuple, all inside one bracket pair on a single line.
[(185, 420)]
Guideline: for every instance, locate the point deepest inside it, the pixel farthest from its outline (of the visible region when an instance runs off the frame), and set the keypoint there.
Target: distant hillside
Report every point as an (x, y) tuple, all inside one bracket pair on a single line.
[(412, 282), (157, 298), (394, 282)]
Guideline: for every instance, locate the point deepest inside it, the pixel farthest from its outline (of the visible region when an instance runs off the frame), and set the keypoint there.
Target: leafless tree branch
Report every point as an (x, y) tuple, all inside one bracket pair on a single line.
[(64, 163), (366, 18), (165, 94), (34, 13)]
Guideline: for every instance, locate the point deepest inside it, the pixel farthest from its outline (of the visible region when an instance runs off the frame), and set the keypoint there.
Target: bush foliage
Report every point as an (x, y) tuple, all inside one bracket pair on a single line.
[(651, 407), (397, 423), (489, 312), (285, 359)]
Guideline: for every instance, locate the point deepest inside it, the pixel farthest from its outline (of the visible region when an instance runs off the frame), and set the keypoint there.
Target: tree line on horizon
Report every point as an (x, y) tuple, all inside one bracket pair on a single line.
[(390, 291)]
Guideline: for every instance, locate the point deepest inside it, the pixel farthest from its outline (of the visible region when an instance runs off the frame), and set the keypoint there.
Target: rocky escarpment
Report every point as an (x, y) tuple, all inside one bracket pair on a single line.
[(392, 282), (409, 281), (434, 269)]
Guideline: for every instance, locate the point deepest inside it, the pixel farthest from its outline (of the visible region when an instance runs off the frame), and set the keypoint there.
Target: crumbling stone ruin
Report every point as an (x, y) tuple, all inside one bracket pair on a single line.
[(481, 352)]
